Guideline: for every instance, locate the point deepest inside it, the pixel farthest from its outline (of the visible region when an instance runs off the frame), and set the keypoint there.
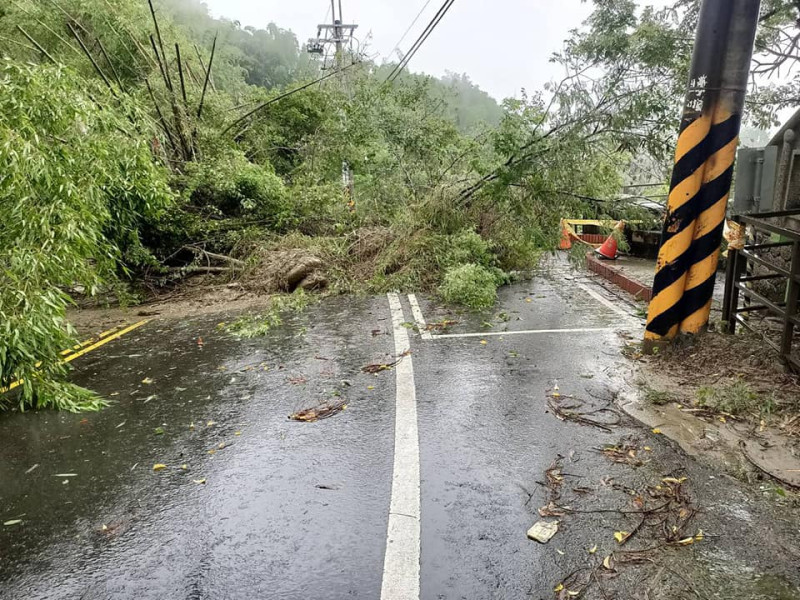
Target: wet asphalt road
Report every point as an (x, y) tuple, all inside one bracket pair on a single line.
[(295, 510)]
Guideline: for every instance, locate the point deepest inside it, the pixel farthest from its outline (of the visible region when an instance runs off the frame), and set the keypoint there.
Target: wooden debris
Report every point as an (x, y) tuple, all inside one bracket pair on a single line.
[(378, 367), (570, 413)]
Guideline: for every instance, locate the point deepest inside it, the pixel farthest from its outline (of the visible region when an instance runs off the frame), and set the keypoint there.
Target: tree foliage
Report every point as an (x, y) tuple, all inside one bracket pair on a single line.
[(75, 184)]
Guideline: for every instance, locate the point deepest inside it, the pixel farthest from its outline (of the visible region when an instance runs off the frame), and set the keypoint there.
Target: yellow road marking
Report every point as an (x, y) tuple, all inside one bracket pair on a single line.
[(77, 347), (105, 340), (86, 349)]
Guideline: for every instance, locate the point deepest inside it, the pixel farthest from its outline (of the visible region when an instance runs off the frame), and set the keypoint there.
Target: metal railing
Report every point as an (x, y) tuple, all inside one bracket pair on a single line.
[(739, 280)]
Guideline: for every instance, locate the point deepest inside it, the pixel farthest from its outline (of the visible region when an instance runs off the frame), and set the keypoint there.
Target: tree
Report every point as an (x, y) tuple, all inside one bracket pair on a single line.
[(648, 51)]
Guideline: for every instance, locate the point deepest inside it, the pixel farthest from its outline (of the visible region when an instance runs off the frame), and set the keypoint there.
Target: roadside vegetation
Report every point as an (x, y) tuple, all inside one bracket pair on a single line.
[(143, 147), (258, 324), (724, 376)]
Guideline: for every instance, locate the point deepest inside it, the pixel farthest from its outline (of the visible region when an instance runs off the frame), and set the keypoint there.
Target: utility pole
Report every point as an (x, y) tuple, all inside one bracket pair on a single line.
[(337, 32), (701, 179)]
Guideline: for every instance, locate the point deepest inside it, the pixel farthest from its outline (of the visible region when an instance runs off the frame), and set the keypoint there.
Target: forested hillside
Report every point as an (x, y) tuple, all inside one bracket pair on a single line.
[(133, 144)]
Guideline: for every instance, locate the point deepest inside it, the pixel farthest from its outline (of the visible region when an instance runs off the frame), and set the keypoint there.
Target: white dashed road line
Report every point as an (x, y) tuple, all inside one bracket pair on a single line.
[(401, 561), (420, 320)]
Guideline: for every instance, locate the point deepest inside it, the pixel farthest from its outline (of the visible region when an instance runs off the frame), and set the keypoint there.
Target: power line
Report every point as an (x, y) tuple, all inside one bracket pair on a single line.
[(421, 40), (422, 37), (286, 95), (414, 22), (327, 12)]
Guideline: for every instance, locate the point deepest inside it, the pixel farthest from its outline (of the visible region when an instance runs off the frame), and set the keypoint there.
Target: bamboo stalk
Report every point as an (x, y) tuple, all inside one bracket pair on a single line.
[(70, 17), (203, 66), (37, 44), (220, 257), (284, 95), (208, 77), (91, 58), (9, 40), (161, 117), (160, 43), (191, 73), (47, 27), (180, 73), (136, 43), (134, 57), (159, 61), (110, 64), (187, 149)]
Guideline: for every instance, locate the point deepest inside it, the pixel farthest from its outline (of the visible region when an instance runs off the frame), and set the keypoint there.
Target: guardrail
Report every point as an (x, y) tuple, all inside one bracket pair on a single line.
[(738, 281)]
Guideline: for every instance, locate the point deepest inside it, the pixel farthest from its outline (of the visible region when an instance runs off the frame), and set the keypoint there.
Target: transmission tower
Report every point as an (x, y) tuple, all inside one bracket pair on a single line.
[(336, 33)]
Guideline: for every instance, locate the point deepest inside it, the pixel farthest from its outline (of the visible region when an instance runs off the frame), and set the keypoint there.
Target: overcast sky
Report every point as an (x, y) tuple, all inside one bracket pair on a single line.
[(503, 45)]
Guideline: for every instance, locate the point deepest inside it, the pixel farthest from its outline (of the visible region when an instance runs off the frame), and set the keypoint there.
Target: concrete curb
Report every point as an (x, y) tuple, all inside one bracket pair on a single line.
[(607, 271)]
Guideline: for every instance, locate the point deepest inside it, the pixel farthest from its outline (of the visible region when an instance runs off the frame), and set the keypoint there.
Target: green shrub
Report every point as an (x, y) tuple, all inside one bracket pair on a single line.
[(657, 397), (472, 285), (467, 247), (233, 187)]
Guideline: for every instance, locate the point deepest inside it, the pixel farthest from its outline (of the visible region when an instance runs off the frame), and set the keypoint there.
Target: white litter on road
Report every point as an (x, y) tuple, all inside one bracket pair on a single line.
[(543, 531)]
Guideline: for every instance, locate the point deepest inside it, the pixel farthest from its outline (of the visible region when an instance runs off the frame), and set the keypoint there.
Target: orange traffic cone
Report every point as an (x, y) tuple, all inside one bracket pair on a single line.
[(566, 239), (609, 248)]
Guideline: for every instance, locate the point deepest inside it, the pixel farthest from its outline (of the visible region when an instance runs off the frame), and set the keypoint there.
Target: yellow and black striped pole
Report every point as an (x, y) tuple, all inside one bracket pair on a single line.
[(702, 174), (719, 169)]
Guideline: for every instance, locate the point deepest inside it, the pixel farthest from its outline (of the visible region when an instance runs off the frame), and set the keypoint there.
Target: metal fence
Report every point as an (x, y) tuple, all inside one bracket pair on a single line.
[(741, 297)]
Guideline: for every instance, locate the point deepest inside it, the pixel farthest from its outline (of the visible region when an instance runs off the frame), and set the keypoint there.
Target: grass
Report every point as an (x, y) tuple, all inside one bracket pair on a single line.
[(658, 397), (734, 398)]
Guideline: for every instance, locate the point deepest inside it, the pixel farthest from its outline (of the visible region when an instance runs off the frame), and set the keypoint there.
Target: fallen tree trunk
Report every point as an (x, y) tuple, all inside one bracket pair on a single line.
[(197, 269), (215, 256)]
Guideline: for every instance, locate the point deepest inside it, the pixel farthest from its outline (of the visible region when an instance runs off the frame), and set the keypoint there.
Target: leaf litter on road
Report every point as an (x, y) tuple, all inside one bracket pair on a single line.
[(623, 452), (653, 517), (379, 367), (440, 325), (570, 408), (323, 411)]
